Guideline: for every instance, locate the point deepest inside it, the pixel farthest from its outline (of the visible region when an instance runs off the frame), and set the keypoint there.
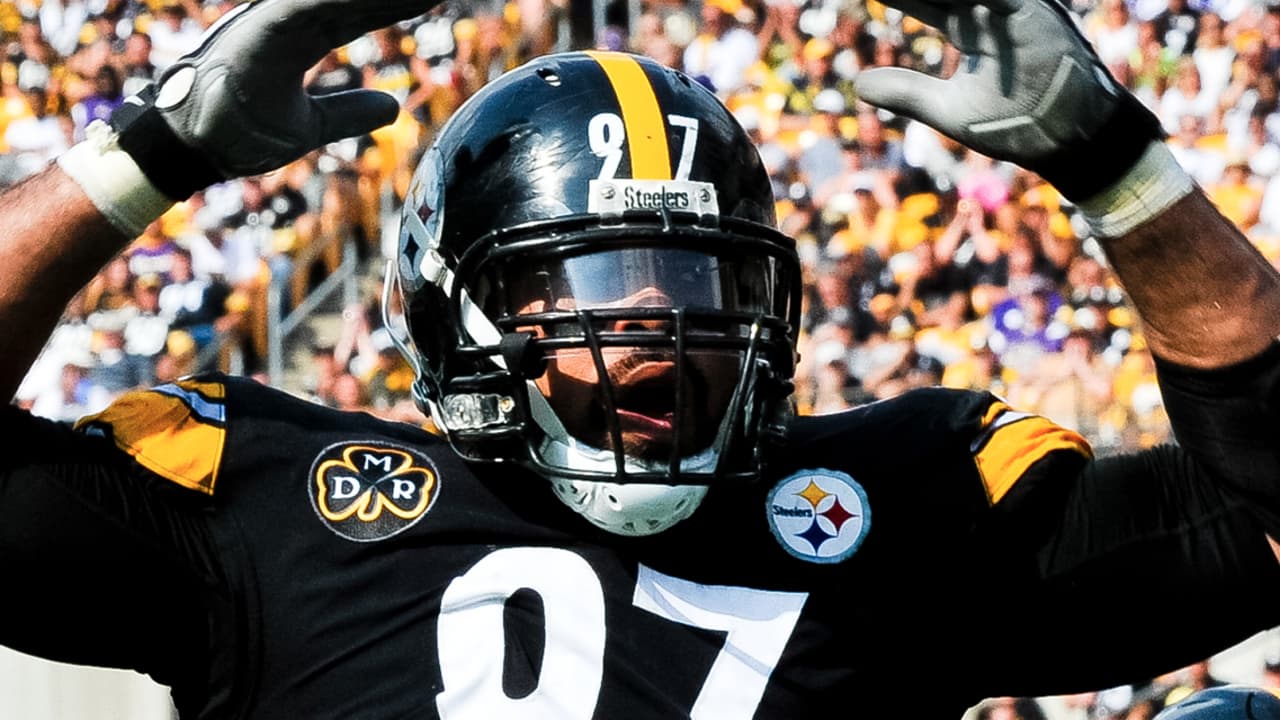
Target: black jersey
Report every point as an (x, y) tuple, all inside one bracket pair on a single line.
[(272, 558)]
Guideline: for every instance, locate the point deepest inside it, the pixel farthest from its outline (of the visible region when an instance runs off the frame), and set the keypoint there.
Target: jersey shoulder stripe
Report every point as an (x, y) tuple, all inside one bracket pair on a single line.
[(1011, 442), (176, 431)]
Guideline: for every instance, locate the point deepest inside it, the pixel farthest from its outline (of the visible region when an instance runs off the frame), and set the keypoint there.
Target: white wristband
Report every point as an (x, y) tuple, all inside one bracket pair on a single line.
[(1150, 187), (113, 181)]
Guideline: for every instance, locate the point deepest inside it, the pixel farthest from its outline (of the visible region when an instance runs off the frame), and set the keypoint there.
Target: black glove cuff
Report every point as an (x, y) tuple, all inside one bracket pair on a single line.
[(175, 168), (1082, 170)]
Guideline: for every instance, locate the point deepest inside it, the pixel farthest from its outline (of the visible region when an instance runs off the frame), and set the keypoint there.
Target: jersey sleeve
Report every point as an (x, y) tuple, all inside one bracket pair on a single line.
[(107, 555), (1138, 565), (1016, 447), (177, 431)]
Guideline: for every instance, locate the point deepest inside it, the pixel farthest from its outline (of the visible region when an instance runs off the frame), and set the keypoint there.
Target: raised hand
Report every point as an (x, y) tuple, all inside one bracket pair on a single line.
[(1029, 89)]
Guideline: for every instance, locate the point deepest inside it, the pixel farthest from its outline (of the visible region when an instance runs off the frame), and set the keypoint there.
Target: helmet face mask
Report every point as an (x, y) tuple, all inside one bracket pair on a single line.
[(638, 347), (616, 315)]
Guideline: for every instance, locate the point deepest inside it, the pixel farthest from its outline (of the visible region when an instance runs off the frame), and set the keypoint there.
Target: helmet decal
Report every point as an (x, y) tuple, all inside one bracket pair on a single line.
[(643, 128), (420, 228)]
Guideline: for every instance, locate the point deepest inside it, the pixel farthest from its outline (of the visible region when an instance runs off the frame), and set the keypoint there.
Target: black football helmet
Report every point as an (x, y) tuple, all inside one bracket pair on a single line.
[(590, 284)]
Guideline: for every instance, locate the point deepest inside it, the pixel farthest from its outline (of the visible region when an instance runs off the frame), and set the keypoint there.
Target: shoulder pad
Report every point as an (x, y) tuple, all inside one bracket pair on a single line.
[(1010, 442), (176, 431)]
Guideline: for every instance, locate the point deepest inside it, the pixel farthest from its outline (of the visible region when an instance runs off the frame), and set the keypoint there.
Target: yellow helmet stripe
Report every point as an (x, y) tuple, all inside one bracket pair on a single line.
[(641, 116)]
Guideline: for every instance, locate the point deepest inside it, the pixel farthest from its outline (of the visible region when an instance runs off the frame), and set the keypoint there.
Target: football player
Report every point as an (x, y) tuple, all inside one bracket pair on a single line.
[(621, 517)]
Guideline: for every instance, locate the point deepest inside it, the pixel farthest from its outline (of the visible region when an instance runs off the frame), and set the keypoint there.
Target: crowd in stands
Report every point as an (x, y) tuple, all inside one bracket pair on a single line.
[(924, 263), (1129, 702)]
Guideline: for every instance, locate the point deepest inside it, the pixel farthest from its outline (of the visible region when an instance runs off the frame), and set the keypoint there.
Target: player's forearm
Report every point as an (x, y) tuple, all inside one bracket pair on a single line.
[(53, 240), (1206, 296)]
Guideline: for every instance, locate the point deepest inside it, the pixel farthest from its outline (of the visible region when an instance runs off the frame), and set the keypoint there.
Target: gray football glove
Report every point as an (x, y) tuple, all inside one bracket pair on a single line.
[(236, 106), (1029, 90)]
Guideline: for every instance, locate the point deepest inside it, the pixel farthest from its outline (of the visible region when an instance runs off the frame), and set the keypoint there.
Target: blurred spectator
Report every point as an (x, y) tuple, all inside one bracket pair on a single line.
[(1113, 31), (146, 330), (74, 396), (349, 393), (884, 353), (932, 153), (1177, 26), (106, 97), (178, 359), (1151, 64), (1255, 143), (934, 291), (111, 289), (978, 370), (981, 182), (1071, 387), (877, 150), (61, 22), (136, 65), (1028, 269), (36, 139), (261, 233), (1213, 55), (720, 54), (1186, 97), (485, 50), (1025, 329), (192, 304), (872, 220), (322, 372), (1269, 30), (1203, 164), (33, 60), (116, 370), (1236, 195), (976, 252), (820, 143), (1140, 420), (388, 69), (538, 26), (1143, 709), (331, 75), (783, 46), (152, 253), (389, 378), (174, 32), (817, 75)]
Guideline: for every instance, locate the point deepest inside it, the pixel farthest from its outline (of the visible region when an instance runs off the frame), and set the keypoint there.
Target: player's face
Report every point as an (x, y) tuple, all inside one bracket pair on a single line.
[(645, 384), (655, 397)]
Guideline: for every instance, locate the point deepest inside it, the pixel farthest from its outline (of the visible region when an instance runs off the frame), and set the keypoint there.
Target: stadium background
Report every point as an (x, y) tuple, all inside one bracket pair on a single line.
[(924, 263)]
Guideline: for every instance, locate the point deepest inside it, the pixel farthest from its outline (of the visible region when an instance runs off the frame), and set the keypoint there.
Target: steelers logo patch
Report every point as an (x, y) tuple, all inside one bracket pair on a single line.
[(819, 516), (371, 491), (422, 221)]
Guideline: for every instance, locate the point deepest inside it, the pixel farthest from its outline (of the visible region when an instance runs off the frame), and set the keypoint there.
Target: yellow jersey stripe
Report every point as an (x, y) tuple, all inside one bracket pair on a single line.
[(641, 117), (1012, 442), (164, 434)]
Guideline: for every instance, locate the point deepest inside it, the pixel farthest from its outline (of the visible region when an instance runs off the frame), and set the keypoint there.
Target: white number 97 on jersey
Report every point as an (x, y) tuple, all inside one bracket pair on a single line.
[(757, 624)]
